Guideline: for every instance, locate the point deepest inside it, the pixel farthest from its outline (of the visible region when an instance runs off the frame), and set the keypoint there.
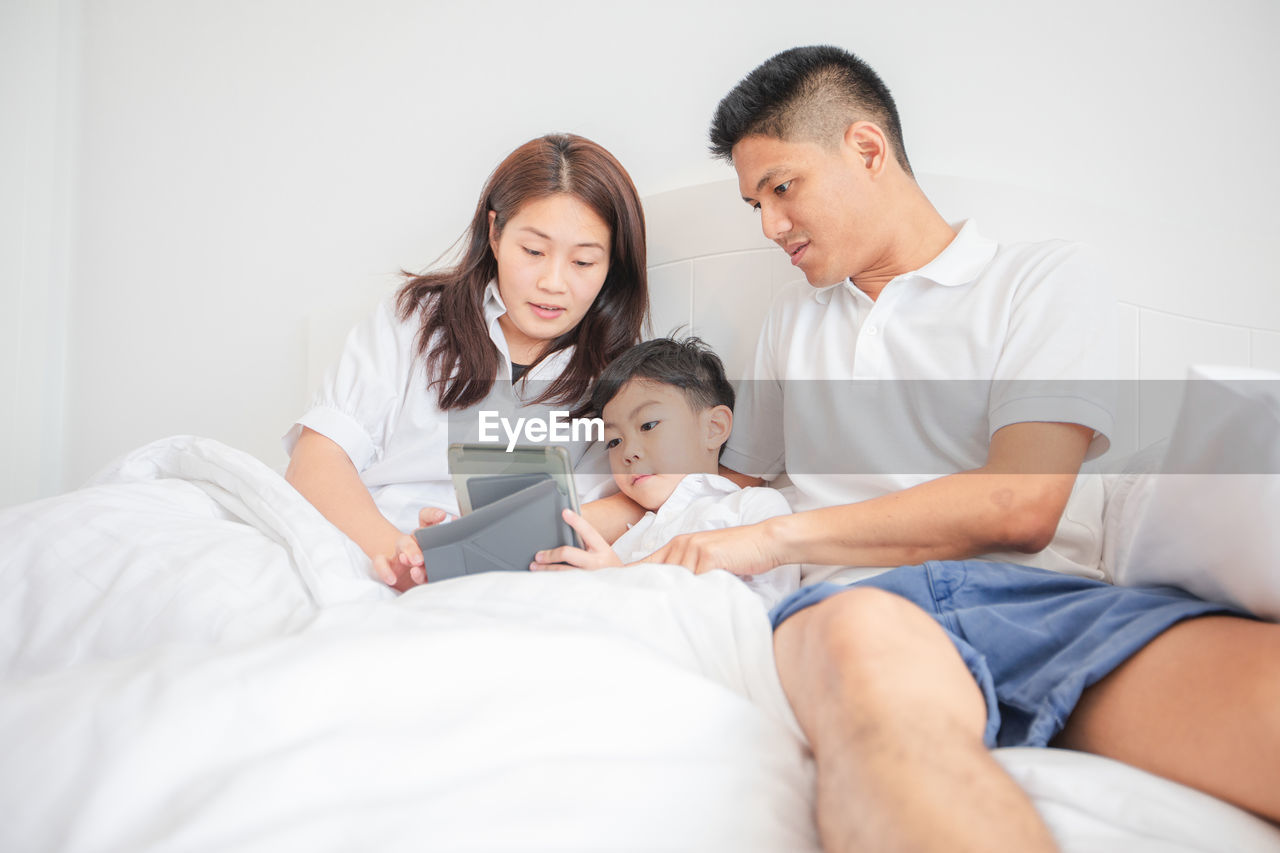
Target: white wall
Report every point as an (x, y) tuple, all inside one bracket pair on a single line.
[(37, 86), (237, 162)]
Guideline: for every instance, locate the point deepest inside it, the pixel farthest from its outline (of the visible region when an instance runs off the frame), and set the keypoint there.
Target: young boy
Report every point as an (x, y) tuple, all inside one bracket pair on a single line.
[(668, 410)]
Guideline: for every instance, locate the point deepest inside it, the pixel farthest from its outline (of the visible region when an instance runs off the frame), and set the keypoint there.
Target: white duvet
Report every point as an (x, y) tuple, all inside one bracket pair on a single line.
[(193, 659)]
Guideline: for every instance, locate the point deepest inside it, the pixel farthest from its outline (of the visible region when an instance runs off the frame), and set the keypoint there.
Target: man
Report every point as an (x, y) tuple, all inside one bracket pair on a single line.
[(904, 679)]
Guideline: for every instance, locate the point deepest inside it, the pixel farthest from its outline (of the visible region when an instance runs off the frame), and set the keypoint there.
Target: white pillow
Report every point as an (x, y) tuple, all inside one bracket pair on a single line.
[(1207, 522), (1126, 495)]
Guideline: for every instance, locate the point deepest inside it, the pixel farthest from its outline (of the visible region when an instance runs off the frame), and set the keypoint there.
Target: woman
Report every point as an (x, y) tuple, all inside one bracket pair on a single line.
[(551, 286)]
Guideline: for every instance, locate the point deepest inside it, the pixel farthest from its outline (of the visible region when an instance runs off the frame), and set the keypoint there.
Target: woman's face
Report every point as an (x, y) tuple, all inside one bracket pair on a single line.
[(553, 256)]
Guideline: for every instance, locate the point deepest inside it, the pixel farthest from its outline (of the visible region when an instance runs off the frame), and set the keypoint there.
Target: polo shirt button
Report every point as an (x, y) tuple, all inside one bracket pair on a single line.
[(871, 330)]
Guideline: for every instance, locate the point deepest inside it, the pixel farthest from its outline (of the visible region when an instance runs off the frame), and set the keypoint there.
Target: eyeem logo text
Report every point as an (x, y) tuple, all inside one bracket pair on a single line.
[(558, 427)]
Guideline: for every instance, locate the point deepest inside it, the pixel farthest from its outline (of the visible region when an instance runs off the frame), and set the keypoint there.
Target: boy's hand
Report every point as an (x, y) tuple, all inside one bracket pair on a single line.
[(596, 555), (404, 569)]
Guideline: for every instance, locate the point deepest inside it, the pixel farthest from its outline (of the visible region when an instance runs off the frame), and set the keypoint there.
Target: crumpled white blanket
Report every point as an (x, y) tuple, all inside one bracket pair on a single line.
[(192, 658), (195, 659)]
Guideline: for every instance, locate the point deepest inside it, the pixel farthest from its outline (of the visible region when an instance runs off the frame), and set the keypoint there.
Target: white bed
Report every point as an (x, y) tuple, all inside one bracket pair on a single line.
[(193, 659)]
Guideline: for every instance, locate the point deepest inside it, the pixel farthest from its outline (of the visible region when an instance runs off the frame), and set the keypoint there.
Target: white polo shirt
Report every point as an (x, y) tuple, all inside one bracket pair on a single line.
[(855, 398), (711, 502), (375, 404)]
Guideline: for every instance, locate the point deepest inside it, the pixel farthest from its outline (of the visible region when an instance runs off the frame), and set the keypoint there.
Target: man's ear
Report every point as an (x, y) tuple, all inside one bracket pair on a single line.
[(719, 422), (865, 141), (493, 232)]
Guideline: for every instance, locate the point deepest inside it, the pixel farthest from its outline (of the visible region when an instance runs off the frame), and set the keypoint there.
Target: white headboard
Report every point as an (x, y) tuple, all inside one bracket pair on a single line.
[(711, 271), (713, 274)]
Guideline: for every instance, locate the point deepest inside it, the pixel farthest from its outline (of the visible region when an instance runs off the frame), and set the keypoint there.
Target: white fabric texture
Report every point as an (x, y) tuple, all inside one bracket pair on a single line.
[(192, 658), (1127, 494), (375, 404), (983, 336), (182, 541), (1084, 799), (202, 663), (1205, 521), (711, 502)]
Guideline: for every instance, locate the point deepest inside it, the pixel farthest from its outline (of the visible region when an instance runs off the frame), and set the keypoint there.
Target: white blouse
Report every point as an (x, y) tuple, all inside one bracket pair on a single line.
[(375, 404)]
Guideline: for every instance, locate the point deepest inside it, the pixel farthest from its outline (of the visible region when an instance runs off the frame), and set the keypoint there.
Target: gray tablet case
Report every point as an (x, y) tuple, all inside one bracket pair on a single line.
[(482, 491), (500, 536)]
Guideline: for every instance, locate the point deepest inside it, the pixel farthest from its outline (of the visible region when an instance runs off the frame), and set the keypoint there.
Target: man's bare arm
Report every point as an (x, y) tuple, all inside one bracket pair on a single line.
[(1012, 503)]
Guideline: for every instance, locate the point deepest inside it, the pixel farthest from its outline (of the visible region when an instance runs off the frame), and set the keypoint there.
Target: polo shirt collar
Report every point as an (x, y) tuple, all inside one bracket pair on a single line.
[(822, 295), (960, 263), (963, 260), (695, 486)]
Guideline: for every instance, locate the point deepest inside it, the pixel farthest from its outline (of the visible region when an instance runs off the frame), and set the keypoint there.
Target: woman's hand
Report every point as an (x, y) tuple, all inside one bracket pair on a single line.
[(405, 568), (597, 554)]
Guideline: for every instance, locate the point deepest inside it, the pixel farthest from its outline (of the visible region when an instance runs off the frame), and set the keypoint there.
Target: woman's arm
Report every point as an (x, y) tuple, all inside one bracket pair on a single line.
[(322, 472)]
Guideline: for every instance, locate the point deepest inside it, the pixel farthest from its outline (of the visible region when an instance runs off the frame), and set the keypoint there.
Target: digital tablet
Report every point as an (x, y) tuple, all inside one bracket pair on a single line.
[(500, 536), (512, 504), (483, 473)]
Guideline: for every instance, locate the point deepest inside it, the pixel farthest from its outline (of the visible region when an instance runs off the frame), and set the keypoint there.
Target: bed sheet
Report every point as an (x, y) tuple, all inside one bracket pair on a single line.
[(460, 718), (184, 540), (194, 659)]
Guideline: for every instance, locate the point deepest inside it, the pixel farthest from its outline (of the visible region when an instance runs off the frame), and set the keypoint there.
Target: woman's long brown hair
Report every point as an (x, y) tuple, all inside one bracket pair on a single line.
[(462, 361)]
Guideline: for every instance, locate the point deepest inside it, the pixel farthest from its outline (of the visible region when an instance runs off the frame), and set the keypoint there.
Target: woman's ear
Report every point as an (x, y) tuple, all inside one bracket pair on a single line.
[(719, 422), (493, 232)]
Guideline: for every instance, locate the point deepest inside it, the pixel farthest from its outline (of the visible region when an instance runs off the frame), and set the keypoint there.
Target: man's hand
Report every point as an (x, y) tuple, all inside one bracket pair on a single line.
[(745, 550), (597, 554), (404, 569)]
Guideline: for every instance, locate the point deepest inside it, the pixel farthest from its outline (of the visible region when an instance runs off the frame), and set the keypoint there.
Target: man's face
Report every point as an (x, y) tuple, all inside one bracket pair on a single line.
[(814, 202)]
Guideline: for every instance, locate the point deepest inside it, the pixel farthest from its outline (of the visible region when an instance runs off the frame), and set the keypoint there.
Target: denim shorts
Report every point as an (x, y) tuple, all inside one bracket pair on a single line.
[(1033, 639)]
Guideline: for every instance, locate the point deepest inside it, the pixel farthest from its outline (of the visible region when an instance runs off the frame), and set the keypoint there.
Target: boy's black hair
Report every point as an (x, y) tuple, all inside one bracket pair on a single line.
[(806, 93), (688, 364)]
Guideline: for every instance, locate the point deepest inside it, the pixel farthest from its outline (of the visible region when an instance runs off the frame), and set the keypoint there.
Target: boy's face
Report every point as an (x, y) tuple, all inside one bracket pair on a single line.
[(655, 438)]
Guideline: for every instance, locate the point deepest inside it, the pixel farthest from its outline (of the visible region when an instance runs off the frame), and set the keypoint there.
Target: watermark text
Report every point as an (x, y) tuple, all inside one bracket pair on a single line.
[(559, 427)]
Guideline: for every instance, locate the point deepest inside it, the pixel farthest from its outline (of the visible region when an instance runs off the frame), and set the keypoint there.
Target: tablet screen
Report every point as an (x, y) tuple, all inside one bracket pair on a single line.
[(483, 473)]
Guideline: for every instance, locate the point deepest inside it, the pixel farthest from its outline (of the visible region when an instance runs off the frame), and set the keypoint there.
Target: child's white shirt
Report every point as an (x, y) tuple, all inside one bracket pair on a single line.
[(711, 502)]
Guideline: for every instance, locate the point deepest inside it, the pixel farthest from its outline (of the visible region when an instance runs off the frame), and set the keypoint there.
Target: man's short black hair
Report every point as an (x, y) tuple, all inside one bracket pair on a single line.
[(688, 364), (806, 93)]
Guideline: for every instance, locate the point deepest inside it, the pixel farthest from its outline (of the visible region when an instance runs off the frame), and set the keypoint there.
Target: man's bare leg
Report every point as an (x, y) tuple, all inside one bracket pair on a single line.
[(1200, 704), (895, 721)]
